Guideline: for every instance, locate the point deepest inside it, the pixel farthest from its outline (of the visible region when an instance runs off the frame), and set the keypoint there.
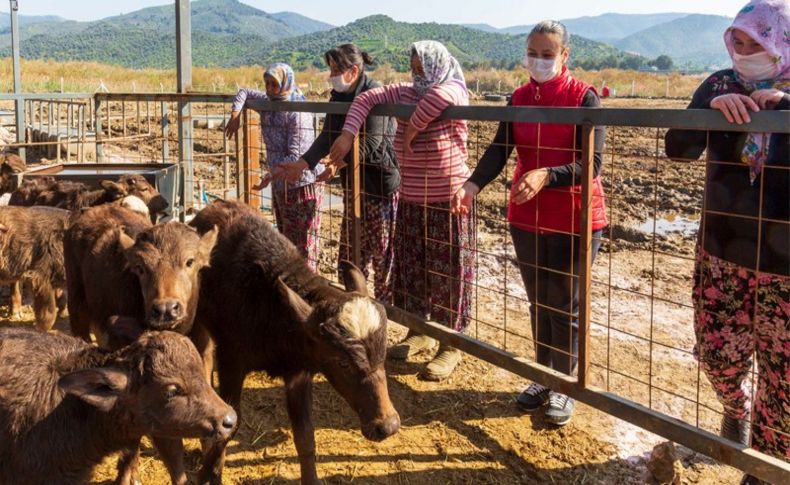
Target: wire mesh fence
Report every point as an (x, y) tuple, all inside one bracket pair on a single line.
[(636, 350)]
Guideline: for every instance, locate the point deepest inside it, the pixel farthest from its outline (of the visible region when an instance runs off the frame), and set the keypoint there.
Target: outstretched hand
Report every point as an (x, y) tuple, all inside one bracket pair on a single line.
[(464, 198), (529, 185), (340, 148), (232, 126)]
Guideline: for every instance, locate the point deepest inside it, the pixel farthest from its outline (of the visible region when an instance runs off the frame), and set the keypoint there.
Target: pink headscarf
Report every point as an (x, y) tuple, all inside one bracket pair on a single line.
[(767, 22)]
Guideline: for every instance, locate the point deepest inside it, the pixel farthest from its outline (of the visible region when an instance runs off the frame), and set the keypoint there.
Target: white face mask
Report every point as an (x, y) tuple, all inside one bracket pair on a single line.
[(542, 70), (339, 84), (754, 67)]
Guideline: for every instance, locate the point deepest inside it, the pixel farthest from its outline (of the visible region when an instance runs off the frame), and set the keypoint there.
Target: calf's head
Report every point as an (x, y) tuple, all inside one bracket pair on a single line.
[(157, 384), (167, 260), (348, 332), (10, 165), (138, 186)]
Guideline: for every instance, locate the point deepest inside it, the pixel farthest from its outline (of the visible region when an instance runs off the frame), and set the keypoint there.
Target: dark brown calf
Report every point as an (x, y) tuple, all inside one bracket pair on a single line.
[(117, 263), (31, 247), (267, 311), (10, 165), (66, 405)]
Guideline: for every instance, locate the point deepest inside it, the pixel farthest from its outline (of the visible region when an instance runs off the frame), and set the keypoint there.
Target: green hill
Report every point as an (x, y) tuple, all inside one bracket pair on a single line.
[(388, 40), (691, 41)]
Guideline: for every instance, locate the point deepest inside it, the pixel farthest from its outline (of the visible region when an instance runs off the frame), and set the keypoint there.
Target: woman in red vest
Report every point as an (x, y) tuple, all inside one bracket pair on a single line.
[(545, 207)]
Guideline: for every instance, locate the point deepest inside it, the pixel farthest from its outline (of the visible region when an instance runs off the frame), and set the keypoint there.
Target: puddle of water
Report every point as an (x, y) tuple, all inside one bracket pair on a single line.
[(671, 223)]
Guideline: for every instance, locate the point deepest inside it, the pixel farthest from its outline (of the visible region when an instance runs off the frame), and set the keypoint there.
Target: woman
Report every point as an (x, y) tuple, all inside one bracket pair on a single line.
[(742, 273), (434, 249), (545, 207), (380, 175), (287, 135)]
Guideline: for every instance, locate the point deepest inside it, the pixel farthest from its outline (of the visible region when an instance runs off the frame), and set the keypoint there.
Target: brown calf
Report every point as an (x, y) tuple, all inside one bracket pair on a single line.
[(31, 247), (10, 165), (66, 405), (266, 310), (117, 263)]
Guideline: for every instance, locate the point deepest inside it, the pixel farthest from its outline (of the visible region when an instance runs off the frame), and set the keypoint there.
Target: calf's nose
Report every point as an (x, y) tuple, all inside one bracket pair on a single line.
[(167, 310), (228, 424), (387, 427)]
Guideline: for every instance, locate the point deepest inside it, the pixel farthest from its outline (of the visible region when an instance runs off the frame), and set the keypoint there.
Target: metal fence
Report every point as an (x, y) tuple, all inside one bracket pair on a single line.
[(635, 358)]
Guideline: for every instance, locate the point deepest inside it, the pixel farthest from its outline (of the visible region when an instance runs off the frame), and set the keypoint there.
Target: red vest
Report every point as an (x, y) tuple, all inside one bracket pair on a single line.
[(541, 145)]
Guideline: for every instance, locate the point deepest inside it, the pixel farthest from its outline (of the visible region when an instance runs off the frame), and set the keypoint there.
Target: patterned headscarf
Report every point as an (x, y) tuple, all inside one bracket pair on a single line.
[(438, 65), (767, 22), (284, 75)]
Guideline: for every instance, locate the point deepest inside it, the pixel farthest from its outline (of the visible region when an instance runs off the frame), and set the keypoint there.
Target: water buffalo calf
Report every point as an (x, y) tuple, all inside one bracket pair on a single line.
[(266, 310), (117, 263), (31, 248), (66, 405)]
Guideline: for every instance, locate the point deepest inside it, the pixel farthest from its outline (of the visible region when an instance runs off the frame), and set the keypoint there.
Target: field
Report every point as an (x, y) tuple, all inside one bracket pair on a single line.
[(53, 76), (467, 429)]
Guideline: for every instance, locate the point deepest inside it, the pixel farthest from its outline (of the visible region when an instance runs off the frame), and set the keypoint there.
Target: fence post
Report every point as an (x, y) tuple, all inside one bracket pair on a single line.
[(165, 122), (251, 161), (585, 252), (355, 224), (98, 128)]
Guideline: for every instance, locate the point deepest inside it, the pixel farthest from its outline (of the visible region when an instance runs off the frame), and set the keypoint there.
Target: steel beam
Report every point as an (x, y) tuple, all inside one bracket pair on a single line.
[(184, 84), (21, 131)]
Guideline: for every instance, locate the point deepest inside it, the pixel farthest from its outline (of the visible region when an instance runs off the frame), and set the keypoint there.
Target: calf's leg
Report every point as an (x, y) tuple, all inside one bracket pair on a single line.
[(128, 463), (172, 453), (44, 306), (16, 299), (299, 397)]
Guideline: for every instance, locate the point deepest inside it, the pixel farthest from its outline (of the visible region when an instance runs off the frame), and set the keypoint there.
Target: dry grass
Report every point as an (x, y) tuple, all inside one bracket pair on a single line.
[(72, 76)]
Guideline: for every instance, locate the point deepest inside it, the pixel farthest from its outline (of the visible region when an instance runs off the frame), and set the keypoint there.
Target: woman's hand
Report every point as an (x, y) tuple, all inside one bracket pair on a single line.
[(408, 139), (529, 185), (767, 98), (464, 198), (265, 181), (233, 124), (291, 172), (735, 107), (330, 170), (341, 147)]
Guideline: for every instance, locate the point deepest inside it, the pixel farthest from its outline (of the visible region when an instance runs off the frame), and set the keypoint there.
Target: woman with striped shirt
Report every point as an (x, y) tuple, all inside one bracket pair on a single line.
[(434, 248)]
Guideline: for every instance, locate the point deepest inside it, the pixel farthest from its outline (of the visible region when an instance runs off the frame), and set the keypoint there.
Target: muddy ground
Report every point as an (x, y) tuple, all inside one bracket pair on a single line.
[(467, 429)]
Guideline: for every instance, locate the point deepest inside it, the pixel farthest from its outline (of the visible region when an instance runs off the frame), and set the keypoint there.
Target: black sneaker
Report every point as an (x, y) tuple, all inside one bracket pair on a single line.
[(752, 480), (736, 430), (560, 409), (533, 398)]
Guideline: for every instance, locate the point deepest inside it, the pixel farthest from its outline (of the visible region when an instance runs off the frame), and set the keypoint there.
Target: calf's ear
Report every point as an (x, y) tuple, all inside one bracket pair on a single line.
[(353, 278), (99, 387), (206, 245), (125, 240), (297, 306)]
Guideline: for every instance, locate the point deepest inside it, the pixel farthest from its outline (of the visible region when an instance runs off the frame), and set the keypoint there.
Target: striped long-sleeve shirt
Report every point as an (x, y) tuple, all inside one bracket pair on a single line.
[(437, 167)]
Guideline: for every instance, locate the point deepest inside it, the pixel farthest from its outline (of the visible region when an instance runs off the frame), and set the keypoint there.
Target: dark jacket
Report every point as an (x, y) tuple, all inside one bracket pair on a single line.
[(730, 228), (380, 174)]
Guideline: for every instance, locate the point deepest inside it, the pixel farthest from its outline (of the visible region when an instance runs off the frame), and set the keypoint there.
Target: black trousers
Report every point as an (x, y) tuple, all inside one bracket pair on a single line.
[(549, 265)]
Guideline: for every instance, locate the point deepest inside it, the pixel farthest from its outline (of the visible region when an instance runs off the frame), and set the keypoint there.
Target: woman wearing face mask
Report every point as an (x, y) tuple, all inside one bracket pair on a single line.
[(380, 176), (545, 207), (742, 274), (286, 135), (434, 272)]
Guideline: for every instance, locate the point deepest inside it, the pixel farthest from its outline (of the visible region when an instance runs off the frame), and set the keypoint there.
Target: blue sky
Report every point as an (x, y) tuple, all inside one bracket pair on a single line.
[(499, 13)]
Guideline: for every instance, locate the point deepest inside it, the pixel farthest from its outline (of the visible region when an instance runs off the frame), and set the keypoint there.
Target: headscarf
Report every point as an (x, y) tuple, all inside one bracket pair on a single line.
[(438, 65), (284, 75), (767, 22)]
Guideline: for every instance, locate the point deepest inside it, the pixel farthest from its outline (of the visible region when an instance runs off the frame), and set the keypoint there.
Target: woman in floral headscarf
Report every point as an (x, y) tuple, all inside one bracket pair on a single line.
[(742, 276), (434, 272), (287, 135)]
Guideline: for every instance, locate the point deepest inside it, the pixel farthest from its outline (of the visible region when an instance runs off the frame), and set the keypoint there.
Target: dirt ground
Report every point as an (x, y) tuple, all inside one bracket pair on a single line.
[(467, 429)]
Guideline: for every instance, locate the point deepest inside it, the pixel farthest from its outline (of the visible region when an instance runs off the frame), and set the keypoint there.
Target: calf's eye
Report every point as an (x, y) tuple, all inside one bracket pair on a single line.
[(172, 391), (190, 262)]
